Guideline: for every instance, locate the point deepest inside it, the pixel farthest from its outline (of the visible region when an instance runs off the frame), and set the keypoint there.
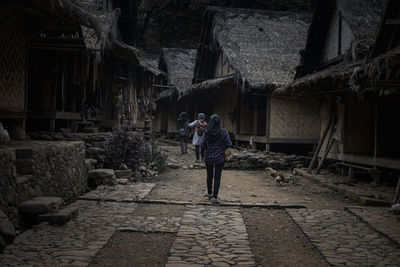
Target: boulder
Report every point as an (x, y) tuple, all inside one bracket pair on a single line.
[(40, 205), (7, 230), (2, 215), (101, 176), (2, 244)]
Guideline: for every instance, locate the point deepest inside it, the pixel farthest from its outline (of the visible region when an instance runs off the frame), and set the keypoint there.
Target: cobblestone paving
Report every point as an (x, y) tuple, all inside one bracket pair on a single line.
[(152, 224), (76, 242), (380, 219), (211, 236), (344, 240), (120, 193)]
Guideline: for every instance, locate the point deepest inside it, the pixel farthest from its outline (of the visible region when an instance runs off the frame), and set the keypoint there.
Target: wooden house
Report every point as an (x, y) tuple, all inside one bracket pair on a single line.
[(178, 64), (63, 55), (244, 55), (354, 72)]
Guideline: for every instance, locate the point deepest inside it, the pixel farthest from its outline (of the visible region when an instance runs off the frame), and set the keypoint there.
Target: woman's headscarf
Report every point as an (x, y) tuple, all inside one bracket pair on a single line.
[(214, 130), (183, 115), (201, 116)]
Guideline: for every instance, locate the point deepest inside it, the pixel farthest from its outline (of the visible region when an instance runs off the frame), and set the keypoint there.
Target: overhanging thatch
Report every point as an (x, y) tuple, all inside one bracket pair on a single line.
[(261, 46), (315, 81), (179, 66), (210, 84)]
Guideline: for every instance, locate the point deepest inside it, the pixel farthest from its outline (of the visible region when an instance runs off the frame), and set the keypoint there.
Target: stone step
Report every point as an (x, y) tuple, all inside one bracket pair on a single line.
[(101, 176), (59, 217), (123, 174), (90, 164), (40, 205)]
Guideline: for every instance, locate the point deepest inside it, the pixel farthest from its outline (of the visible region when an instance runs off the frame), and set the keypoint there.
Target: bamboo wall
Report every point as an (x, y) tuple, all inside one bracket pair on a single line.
[(12, 63), (294, 118), (225, 108)]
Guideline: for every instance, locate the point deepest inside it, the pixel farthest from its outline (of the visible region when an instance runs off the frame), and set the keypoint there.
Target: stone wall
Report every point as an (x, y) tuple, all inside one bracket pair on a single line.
[(32, 169), (259, 160)]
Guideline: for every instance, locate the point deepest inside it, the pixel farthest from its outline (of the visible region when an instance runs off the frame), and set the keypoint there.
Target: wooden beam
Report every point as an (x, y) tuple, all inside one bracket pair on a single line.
[(393, 21), (293, 141)]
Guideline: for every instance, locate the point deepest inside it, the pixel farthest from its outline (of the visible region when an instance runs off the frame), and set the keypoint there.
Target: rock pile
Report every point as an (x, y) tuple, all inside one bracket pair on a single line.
[(243, 159), (101, 176)]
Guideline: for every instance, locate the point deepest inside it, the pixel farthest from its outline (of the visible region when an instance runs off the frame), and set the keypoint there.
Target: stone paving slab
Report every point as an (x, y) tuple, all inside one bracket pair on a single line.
[(380, 219), (344, 240), (74, 243), (120, 193), (211, 236)]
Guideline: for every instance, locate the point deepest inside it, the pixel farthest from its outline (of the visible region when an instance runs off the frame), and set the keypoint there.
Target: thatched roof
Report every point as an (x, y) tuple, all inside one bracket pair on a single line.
[(135, 56), (179, 66), (98, 23), (311, 82), (261, 46), (210, 84), (367, 75), (362, 16)]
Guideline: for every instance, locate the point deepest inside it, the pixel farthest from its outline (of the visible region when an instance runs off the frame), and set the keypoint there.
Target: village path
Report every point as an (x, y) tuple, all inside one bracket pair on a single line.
[(167, 221)]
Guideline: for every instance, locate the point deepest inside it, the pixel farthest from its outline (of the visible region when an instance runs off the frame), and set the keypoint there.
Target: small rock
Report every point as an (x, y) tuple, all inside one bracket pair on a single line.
[(395, 209)]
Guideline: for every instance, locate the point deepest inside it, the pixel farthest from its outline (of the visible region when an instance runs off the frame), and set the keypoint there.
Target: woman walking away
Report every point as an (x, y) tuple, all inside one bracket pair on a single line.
[(215, 141), (183, 133), (200, 126)]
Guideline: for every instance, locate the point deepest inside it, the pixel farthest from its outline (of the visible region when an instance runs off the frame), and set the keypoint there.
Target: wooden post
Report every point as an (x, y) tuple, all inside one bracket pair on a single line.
[(321, 141), (326, 152), (255, 118), (268, 123)]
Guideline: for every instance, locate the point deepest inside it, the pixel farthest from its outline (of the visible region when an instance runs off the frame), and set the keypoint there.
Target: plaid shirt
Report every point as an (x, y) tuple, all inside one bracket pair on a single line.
[(214, 153)]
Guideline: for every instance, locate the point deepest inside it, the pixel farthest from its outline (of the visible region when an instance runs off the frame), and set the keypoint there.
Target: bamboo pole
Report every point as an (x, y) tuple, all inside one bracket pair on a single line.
[(325, 132), (397, 195)]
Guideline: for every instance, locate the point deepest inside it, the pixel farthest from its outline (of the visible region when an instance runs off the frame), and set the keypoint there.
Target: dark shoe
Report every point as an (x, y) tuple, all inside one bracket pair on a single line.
[(215, 201)]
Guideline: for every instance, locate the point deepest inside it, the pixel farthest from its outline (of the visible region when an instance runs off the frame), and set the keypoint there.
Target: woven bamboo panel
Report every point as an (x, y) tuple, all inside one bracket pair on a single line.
[(294, 118), (12, 64)]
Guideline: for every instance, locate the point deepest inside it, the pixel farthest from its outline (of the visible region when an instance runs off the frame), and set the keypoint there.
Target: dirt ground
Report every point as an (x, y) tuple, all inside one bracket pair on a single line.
[(277, 241), (128, 249), (245, 187)]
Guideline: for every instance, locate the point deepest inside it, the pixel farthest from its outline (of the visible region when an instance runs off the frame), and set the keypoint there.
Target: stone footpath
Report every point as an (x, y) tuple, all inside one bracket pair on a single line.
[(344, 240), (211, 236), (380, 218), (120, 193), (76, 242)]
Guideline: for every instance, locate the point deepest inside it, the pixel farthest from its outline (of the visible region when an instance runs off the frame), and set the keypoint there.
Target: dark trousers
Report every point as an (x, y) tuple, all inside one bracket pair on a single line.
[(183, 140), (214, 171), (199, 150)]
